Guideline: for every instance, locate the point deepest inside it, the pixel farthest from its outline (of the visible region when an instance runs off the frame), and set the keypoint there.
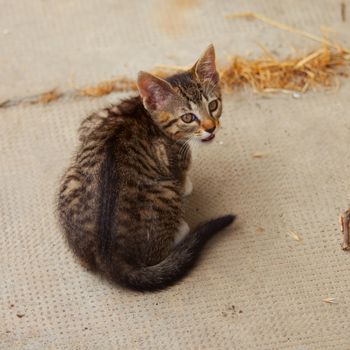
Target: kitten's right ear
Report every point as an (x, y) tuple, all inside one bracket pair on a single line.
[(156, 93)]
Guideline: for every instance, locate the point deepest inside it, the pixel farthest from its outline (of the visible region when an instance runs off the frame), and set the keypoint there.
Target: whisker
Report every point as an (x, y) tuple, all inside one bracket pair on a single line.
[(185, 147)]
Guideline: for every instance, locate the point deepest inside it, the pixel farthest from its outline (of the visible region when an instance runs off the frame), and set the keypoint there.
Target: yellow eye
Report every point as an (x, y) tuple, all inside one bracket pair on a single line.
[(188, 118), (213, 105)]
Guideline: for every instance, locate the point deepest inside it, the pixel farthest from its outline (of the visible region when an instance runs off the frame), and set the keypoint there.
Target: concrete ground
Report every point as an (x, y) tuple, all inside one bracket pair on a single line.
[(255, 286)]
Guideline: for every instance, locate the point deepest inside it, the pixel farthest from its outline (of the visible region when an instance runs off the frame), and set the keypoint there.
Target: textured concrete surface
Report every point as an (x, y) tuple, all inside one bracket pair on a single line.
[(255, 287)]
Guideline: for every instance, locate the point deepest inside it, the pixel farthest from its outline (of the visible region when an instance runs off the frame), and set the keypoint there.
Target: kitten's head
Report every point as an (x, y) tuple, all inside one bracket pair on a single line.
[(187, 104)]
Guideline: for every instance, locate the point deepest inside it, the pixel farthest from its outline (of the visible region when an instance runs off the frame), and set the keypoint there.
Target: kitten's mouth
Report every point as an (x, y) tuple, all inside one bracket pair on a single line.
[(209, 138)]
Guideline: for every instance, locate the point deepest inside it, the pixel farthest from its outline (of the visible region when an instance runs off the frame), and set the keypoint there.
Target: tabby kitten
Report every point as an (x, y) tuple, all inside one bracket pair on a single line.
[(120, 201)]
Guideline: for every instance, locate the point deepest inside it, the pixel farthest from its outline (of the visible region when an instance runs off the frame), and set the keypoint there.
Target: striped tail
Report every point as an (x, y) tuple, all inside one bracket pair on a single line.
[(172, 268)]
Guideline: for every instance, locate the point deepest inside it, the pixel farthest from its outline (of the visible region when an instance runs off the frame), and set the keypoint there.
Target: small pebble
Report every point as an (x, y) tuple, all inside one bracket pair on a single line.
[(260, 229), (296, 95), (221, 142)]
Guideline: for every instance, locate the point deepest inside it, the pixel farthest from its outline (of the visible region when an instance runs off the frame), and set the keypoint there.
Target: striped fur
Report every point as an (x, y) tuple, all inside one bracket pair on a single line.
[(120, 201)]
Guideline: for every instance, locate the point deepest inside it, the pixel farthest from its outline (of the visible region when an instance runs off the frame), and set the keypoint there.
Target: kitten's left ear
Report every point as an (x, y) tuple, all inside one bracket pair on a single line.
[(205, 68)]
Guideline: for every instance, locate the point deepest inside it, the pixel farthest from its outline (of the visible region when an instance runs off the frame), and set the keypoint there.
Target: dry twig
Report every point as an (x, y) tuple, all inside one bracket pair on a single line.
[(295, 236), (329, 300), (259, 155), (343, 11), (344, 220), (103, 88), (252, 15), (49, 96)]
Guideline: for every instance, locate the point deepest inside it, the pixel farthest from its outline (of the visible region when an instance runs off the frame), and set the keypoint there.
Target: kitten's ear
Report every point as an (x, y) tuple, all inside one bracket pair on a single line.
[(205, 68), (156, 93)]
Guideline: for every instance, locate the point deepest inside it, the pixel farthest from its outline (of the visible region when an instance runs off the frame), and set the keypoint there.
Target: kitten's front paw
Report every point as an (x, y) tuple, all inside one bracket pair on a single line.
[(188, 187)]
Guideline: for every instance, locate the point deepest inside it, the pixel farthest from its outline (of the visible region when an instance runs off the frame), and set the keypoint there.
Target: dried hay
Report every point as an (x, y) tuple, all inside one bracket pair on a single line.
[(47, 97), (319, 68), (106, 87)]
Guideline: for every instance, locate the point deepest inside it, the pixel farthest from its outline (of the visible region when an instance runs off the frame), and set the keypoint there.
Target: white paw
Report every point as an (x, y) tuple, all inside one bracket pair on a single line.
[(188, 187), (182, 232)]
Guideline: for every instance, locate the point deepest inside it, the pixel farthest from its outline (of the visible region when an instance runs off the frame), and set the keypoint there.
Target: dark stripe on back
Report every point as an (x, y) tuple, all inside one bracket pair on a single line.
[(108, 195)]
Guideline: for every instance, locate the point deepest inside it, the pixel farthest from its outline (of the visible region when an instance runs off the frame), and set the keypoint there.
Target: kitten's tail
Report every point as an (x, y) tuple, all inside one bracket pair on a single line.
[(172, 268)]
